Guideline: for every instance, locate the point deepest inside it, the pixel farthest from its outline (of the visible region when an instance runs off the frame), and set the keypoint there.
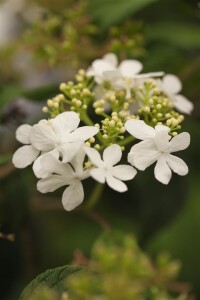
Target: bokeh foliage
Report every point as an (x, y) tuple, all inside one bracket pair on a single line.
[(166, 36)]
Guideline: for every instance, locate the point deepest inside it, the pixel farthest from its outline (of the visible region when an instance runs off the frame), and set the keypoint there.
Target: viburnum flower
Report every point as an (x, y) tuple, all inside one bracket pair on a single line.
[(61, 174), (108, 62), (59, 136), (172, 86), (25, 155), (126, 76), (156, 146), (106, 171)]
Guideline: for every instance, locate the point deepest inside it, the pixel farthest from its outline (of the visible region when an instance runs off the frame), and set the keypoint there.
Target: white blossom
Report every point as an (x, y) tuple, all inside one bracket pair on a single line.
[(106, 171), (61, 174), (107, 63), (126, 76), (171, 85), (156, 146)]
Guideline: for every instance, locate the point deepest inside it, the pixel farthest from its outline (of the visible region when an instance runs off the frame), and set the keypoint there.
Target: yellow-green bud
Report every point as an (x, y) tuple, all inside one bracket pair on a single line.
[(112, 123), (105, 136), (92, 140), (45, 109), (56, 105), (158, 106), (99, 110), (146, 109), (63, 86), (50, 103), (87, 144), (122, 130), (97, 146), (159, 115)]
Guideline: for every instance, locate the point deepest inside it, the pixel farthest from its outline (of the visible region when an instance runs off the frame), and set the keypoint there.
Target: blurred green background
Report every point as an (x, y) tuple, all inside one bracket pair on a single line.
[(44, 47)]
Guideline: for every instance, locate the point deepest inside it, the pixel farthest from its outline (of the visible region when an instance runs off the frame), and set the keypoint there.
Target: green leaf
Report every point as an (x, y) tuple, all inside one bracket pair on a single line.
[(108, 12), (52, 278), (184, 35)]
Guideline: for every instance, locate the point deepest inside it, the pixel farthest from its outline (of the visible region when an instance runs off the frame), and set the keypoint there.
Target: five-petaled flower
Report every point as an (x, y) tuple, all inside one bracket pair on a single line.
[(61, 174), (106, 171), (156, 146), (59, 136), (126, 75)]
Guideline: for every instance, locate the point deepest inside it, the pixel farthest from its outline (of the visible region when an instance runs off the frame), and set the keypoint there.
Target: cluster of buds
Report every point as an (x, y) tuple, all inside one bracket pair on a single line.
[(119, 106), (117, 269)]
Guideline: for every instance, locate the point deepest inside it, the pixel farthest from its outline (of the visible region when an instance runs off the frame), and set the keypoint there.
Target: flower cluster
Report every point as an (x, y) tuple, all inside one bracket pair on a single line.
[(118, 105)]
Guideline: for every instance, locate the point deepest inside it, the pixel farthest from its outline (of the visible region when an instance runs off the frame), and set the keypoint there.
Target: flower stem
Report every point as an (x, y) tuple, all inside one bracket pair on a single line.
[(94, 197), (127, 140)]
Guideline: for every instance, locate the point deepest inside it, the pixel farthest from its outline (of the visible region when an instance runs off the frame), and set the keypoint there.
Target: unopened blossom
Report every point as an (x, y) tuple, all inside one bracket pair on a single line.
[(106, 171), (64, 174), (156, 146), (171, 85), (107, 63), (127, 74)]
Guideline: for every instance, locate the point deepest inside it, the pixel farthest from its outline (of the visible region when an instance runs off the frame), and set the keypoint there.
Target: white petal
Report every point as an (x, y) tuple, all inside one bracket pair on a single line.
[(24, 156), (162, 171), (111, 58), (51, 183), (77, 161), (65, 122), (112, 155), (179, 142), (83, 133), (159, 128), (69, 150), (112, 76), (139, 129), (100, 65), (177, 165), (73, 195), (161, 140), (116, 184), (94, 156), (43, 137), (23, 133), (98, 174), (124, 172), (182, 104), (172, 84), (130, 67), (143, 154), (150, 74), (39, 169)]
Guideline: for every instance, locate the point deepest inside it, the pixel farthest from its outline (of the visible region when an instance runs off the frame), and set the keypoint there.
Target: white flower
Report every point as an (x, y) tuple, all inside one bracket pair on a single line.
[(25, 155), (105, 169), (107, 63), (59, 136), (126, 76), (61, 174), (156, 146), (172, 86)]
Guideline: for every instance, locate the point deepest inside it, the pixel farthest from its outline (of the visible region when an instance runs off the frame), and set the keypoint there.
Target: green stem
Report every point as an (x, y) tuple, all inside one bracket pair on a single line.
[(86, 120), (127, 140), (94, 197)]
